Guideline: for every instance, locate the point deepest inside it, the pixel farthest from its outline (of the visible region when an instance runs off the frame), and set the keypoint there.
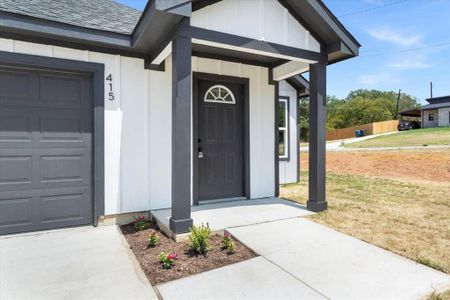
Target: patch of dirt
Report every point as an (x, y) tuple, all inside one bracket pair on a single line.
[(429, 165), (187, 263)]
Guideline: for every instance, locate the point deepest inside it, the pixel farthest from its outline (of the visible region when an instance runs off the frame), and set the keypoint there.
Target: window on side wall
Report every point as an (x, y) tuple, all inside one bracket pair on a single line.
[(431, 117), (283, 125), (449, 116)]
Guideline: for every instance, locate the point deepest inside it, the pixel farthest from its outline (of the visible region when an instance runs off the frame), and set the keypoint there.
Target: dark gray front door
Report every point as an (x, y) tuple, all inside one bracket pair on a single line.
[(45, 150), (220, 140)]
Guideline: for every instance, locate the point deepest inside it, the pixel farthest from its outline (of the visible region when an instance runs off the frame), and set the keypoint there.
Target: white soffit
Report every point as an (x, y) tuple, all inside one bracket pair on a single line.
[(289, 69)]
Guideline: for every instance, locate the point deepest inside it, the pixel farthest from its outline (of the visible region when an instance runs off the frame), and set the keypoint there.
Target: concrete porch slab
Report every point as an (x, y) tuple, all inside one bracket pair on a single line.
[(256, 278), (337, 265), (237, 213), (76, 263)]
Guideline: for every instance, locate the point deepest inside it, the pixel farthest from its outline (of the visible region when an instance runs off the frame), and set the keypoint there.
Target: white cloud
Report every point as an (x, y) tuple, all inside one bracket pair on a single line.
[(390, 35), (416, 62), (378, 79)]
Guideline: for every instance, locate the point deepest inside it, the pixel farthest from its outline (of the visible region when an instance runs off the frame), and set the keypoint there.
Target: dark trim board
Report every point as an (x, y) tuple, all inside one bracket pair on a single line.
[(246, 82), (252, 44), (297, 101), (288, 131), (276, 139), (96, 72)]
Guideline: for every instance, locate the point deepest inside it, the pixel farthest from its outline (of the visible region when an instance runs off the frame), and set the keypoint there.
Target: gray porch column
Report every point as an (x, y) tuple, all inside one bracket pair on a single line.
[(180, 220), (317, 134)]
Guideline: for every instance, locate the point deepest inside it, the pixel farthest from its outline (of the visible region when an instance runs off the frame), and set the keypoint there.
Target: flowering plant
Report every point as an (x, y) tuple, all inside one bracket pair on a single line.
[(139, 223), (227, 242), (153, 238), (167, 260)]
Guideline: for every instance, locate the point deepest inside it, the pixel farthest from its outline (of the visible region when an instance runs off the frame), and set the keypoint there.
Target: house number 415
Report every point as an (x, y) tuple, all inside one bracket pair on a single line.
[(111, 93)]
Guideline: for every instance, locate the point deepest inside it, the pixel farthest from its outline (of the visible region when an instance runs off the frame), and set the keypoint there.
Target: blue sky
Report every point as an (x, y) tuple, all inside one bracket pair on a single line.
[(402, 46)]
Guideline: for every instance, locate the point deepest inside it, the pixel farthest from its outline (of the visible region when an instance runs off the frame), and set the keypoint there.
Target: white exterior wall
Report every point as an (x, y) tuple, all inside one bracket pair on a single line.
[(288, 169), (429, 124), (444, 117), (255, 19), (138, 125), (127, 147)]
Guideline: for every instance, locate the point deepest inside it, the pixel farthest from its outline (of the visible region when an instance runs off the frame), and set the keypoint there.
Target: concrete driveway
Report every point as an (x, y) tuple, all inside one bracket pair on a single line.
[(78, 263)]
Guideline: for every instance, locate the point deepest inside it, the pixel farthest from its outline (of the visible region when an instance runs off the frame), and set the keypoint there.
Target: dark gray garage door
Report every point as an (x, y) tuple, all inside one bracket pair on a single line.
[(45, 150)]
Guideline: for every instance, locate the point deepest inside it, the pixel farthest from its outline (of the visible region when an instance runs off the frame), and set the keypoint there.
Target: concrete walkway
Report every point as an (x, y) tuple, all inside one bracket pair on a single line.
[(237, 213), (76, 263), (336, 145), (301, 259)]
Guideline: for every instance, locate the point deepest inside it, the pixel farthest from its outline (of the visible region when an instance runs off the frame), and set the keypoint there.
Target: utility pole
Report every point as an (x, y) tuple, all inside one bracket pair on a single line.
[(398, 104)]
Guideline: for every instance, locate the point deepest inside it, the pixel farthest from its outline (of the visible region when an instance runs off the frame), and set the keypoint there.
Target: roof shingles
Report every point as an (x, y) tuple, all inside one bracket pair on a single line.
[(105, 15)]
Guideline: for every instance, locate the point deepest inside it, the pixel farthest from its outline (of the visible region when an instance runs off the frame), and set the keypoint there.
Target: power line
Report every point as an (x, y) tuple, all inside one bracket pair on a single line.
[(372, 8), (408, 50)]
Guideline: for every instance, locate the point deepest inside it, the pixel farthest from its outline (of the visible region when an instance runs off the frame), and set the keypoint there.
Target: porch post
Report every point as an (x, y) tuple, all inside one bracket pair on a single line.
[(181, 220), (317, 135)]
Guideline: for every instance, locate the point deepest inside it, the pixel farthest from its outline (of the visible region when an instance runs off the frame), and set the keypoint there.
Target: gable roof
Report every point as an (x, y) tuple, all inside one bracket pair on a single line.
[(103, 15), (435, 106), (323, 25), (110, 27), (435, 100)]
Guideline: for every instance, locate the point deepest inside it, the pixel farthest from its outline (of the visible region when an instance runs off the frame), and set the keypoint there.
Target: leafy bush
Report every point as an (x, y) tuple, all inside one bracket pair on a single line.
[(140, 223), (200, 238), (227, 243), (167, 260), (153, 238)]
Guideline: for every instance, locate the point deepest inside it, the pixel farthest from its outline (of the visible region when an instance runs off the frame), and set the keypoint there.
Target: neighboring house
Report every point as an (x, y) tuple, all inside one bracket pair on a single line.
[(434, 114), (437, 113), (106, 111)]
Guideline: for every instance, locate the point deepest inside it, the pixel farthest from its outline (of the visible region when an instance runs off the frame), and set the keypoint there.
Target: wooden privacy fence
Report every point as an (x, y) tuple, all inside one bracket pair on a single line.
[(372, 128)]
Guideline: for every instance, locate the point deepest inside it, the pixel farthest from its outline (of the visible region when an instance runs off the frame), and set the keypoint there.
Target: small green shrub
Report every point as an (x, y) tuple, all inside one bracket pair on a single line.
[(227, 243), (153, 238), (200, 238), (140, 223), (167, 260)]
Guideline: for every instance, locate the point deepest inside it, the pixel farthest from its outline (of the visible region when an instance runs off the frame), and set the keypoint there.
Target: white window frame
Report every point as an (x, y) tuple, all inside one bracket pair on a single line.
[(219, 99), (284, 130)]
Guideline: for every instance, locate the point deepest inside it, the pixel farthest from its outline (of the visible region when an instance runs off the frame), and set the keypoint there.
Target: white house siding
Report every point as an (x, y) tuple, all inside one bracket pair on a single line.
[(255, 19), (288, 169), (426, 122), (138, 125), (127, 146), (444, 115)]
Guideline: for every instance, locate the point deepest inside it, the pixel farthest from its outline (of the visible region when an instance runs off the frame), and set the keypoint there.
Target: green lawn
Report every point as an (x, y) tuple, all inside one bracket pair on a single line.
[(417, 137)]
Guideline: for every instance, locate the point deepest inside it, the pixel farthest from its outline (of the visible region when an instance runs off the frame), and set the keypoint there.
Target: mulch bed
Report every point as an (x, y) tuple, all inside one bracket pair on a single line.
[(187, 262)]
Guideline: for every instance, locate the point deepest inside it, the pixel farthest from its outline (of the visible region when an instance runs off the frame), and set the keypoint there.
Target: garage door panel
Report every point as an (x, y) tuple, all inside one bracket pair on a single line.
[(71, 128), (45, 150), (16, 212), (67, 206), (16, 87), (44, 209), (58, 90), (16, 170), (65, 169), (15, 126)]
